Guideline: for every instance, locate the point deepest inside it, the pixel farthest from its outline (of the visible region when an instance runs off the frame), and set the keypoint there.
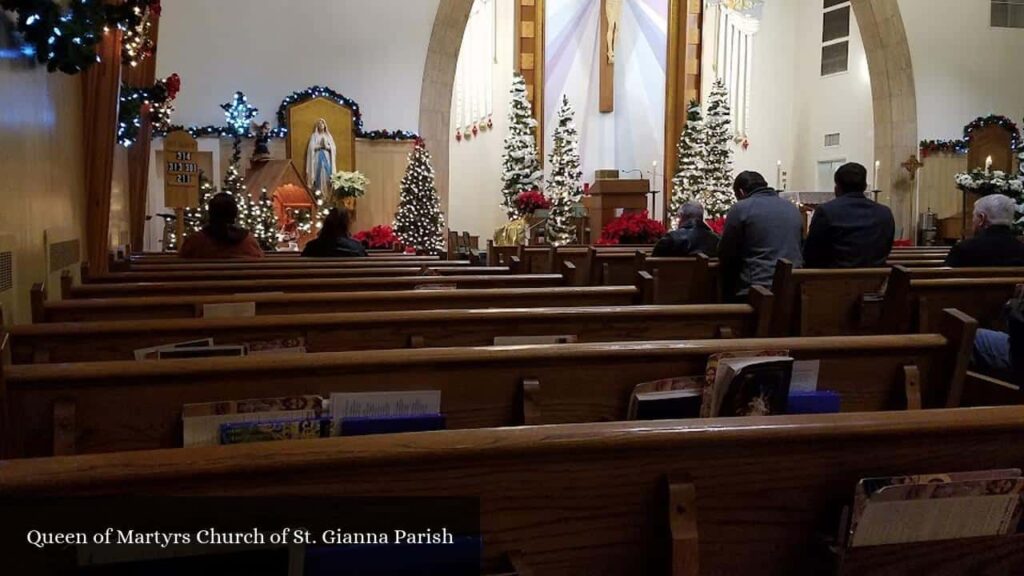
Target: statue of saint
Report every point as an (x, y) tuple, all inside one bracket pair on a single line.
[(261, 153), (320, 158)]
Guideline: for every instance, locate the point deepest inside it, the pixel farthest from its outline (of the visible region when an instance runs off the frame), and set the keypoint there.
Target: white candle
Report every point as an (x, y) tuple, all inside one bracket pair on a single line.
[(988, 165), (778, 175), (878, 164)]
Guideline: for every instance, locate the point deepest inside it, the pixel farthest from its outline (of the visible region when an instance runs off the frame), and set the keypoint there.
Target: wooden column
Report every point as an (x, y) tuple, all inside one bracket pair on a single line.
[(142, 76), (100, 92), (529, 59), (682, 83)]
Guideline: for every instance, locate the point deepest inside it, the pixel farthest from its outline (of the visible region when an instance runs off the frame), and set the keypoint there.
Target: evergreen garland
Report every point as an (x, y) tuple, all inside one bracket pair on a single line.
[(717, 196), (564, 188), (521, 170), (419, 223), (689, 180)]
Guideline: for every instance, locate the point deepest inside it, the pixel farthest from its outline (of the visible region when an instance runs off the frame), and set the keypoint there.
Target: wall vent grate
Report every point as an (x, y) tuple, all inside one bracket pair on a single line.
[(832, 140), (6, 271)]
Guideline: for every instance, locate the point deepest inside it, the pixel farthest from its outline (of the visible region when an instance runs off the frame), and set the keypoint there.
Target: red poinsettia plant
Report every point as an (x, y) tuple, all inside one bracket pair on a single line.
[(377, 237), (717, 225), (632, 228), (532, 200)]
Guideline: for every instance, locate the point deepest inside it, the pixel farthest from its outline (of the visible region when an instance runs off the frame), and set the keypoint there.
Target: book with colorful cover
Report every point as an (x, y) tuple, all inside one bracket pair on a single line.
[(291, 429), (904, 509), (711, 374), (288, 345), (201, 422)]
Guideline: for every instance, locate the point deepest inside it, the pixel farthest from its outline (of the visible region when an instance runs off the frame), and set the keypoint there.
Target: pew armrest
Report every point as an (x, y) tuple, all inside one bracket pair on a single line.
[(983, 390)]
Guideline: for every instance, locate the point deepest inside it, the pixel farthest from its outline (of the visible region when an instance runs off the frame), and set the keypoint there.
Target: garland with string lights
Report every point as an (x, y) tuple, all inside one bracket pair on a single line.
[(65, 37), (419, 223), (994, 120), (158, 97), (929, 147)]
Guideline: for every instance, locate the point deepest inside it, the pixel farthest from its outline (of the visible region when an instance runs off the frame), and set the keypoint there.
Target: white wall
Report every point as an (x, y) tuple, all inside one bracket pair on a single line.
[(963, 68), (372, 52), (475, 164)]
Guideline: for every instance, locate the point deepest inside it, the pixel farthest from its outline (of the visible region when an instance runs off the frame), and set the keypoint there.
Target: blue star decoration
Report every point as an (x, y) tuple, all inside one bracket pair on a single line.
[(239, 114)]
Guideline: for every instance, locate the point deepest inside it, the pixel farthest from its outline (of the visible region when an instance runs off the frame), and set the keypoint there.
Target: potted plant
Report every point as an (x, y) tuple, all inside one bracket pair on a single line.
[(347, 187)]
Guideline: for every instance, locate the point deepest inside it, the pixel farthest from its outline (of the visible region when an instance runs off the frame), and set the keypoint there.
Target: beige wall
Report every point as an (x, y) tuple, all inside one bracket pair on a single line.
[(41, 162)]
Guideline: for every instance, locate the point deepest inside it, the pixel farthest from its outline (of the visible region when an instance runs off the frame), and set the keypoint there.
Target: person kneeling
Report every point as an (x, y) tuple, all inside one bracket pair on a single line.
[(692, 237)]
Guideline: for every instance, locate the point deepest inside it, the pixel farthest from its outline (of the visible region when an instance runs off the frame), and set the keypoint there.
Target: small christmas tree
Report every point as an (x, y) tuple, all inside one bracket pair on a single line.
[(690, 179), (419, 223), (564, 189), (717, 196), (521, 170)]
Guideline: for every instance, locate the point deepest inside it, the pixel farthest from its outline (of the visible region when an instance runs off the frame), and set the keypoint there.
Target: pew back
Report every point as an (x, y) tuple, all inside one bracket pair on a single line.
[(901, 311), (289, 273)]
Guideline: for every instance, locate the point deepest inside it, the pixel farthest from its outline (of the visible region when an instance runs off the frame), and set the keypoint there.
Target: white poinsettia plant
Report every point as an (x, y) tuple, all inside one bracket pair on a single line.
[(991, 182), (349, 184)]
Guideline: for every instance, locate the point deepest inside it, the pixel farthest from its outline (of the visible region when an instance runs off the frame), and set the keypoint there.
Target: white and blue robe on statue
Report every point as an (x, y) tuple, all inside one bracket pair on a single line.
[(320, 159)]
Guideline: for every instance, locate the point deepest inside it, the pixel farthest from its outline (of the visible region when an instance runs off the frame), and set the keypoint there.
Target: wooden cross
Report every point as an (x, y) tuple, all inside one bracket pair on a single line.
[(912, 165), (611, 11)]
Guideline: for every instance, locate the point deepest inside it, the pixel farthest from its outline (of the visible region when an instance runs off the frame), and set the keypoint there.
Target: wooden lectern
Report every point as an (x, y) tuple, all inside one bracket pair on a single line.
[(609, 196)]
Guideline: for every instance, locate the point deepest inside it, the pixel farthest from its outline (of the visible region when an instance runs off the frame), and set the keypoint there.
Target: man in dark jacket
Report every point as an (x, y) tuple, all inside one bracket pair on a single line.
[(692, 237), (850, 231), (759, 230), (995, 243)]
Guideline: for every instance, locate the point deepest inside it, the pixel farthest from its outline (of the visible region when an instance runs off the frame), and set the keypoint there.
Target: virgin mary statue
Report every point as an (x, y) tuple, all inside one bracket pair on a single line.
[(320, 158)]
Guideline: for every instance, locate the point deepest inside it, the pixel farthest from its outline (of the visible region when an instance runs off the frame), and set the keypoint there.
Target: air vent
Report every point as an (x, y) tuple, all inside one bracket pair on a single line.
[(832, 140), (1007, 14), (6, 271), (64, 254)]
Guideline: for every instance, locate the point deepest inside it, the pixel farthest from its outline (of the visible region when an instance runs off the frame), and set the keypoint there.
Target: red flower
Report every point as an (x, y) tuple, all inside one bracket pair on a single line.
[(155, 8), (716, 224), (632, 228), (377, 237), (173, 83), (531, 201)]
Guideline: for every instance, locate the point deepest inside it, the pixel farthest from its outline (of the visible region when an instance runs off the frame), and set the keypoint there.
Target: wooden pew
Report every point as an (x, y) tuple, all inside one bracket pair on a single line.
[(310, 285), (903, 310), (114, 406), (272, 256), (148, 308), (104, 341), (681, 280), (294, 265), (742, 496), (288, 273), (826, 302)]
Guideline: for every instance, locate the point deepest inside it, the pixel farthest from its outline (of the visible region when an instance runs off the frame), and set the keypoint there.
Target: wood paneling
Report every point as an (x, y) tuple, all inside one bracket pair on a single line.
[(529, 59), (683, 82)]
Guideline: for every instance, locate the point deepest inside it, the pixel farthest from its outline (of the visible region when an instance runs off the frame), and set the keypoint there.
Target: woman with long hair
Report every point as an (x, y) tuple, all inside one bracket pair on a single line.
[(335, 240), (221, 238)]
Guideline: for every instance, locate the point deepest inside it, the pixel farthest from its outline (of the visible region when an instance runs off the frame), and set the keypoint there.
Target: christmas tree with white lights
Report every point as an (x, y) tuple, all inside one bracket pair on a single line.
[(717, 195), (521, 171), (690, 179), (564, 188), (419, 223)]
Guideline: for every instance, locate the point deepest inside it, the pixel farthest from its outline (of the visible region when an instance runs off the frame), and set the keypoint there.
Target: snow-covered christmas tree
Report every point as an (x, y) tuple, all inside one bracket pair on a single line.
[(564, 188), (419, 223), (520, 168), (690, 179), (717, 196)]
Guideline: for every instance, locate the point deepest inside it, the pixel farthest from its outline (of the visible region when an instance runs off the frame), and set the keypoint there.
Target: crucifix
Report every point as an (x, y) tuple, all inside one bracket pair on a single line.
[(611, 12), (912, 165)]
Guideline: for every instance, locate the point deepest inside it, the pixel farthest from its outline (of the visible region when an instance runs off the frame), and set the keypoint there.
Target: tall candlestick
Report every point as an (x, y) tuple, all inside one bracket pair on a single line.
[(878, 164), (778, 175), (988, 165)]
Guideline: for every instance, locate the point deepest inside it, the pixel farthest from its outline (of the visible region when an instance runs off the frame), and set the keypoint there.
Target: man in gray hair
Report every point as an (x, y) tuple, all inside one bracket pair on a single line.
[(693, 235), (995, 241)]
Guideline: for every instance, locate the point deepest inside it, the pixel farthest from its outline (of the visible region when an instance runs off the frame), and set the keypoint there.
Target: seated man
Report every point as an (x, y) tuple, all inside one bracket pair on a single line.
[(759, 230), (995, 242), (220, 238), (692, 237), (1001, 354), (850, 231)]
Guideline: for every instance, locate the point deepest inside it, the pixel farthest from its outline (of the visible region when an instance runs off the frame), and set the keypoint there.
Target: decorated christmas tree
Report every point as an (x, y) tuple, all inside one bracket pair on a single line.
[(717, 196), (419, 223), (690, 179), (520, 168), (564, 189)]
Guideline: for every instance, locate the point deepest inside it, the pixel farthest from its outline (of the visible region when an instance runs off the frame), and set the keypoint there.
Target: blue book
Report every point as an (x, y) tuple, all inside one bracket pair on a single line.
[(822, 402), (366, 425)]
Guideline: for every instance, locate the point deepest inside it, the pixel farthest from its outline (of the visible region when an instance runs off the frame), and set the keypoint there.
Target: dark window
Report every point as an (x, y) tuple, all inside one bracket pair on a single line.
[(831, 3), (835, 58), (1008, 13), (836, 25)]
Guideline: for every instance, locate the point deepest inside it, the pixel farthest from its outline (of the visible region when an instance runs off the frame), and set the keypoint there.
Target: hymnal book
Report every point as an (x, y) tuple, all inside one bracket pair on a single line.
[(290, 345), (201, 422), (230, 310), (667, 399), (711, 373), (756, 386), (904, 509), (385, 404), (290, 429), (364, 426), (201, 352), (822, 402), (534, 340), (153, 352)]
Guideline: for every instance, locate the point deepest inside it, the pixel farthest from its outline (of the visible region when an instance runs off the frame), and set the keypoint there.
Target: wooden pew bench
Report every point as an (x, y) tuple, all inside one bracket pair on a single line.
[(275, 264), (289, 273), (342, 331), (913, 296), (739, 496), (300, 285), (115, 406), (151, 308)]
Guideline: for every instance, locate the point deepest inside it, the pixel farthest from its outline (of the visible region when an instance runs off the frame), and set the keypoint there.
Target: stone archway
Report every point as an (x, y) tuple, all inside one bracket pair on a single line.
[(894, 98), (893, 91), (438, 84)]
